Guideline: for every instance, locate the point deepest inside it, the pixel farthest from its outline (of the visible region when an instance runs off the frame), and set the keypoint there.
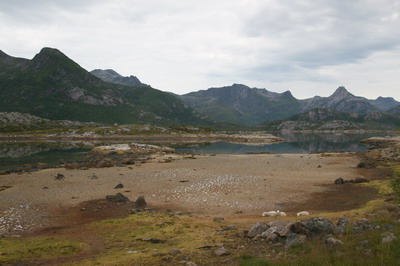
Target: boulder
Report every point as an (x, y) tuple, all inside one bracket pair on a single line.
[(295, 240), (257, 229), (387, 237), (282, 227), (119, 186), (117, 198), (222, 252), (341, 225), (339, 181), (333, 242), (313, 227), (363, 225), (140, 202)]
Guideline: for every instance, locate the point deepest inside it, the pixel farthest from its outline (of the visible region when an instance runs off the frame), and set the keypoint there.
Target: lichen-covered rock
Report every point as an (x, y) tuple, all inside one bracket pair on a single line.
[(314, 226), (257, 229), (295, 239)]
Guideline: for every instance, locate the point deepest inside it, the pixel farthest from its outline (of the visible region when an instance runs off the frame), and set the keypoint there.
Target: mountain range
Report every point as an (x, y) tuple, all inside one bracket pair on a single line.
[(53, 86), (240, 104)]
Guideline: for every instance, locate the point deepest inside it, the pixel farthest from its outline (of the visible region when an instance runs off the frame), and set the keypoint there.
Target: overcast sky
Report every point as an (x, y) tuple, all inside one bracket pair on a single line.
[(309, 47)]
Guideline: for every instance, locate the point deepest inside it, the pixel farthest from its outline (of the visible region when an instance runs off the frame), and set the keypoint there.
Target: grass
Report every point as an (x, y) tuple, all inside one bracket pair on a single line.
[(14, 250)]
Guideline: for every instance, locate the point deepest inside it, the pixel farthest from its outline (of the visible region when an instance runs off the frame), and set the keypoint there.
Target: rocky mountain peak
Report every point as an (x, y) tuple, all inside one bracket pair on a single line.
[(341, 92), (110, 75)]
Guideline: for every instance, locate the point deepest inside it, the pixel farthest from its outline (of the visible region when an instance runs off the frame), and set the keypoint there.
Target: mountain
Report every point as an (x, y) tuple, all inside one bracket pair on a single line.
[(240, 104), (385, 103), (341, 100), (109, 75), (250, 106), (53, 86), (329, 119)]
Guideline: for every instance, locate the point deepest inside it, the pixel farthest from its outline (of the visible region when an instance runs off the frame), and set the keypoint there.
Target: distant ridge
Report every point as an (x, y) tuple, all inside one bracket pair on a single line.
[(109, 75), (249, 106)]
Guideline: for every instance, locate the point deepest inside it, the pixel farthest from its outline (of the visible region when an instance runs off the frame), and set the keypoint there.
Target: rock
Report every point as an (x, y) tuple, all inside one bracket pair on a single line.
[(387, 237), (343, 222), (222, 252), (219, 220), (272, 238), (270, 231), (229, 227), (388, 227), (117, 198), (314, 226), (362, 225), (140, 202), (339, 181), (257, 229), (94, 177), (59, 177), (119, 186), (341, 225), (333, 242), (45, 188), (295, 240), (282, 227), (174, 251)]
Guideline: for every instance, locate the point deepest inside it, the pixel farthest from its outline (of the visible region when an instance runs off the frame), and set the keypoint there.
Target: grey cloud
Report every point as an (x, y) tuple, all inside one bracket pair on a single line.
[(319, 33)]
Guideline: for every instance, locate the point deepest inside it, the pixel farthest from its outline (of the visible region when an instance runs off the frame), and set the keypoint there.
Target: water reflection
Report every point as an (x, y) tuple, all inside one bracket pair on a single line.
[(16, 154), (294, 143)]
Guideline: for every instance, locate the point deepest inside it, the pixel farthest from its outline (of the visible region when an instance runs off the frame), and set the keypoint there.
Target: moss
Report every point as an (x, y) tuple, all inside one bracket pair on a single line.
[(28, 249), (128, 240)]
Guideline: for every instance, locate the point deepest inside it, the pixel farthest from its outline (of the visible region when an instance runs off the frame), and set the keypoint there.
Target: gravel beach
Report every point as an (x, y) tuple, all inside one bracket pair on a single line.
[(206, 185)]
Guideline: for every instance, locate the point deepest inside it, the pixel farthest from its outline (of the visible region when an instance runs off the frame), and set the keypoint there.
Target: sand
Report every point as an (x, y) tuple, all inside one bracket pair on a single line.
[(207, 185)]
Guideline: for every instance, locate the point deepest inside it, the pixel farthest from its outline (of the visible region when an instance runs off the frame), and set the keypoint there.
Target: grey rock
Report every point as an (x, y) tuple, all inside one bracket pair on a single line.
[(333, 242), (295, 239), (94, 177), (341, 225), (282, 228), (363, 225), (388, 227), (222, 252), (314, 226), (257, 229), (119, 186), (140, 202), (339, 181), (272, 238), (229, 227), (387, 237), (117, 198)]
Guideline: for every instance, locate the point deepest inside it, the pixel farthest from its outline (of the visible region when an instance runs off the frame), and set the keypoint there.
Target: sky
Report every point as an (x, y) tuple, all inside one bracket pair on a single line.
[(309, 47)]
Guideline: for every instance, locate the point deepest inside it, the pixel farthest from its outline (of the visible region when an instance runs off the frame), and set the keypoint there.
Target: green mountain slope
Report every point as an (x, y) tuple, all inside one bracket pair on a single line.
[(242, 105), (53, 86)]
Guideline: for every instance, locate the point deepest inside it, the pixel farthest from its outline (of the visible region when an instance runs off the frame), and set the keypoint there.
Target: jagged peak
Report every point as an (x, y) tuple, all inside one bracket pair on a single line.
[(341, 92)]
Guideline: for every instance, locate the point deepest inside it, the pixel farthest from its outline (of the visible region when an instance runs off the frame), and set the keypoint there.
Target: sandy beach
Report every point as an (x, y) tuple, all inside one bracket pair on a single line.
[(207, 185)]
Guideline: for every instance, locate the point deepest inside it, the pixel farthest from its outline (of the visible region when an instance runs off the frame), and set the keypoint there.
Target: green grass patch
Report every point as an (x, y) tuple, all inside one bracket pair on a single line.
[(14, 250)]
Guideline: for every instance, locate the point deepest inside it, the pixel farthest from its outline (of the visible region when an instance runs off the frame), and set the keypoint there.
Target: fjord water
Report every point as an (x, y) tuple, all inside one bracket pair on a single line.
[(17, 154), (294, 143)]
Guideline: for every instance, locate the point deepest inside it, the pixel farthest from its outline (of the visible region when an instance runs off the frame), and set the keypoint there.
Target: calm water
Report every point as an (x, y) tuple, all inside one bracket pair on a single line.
[(16, 154), (294, 143)]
